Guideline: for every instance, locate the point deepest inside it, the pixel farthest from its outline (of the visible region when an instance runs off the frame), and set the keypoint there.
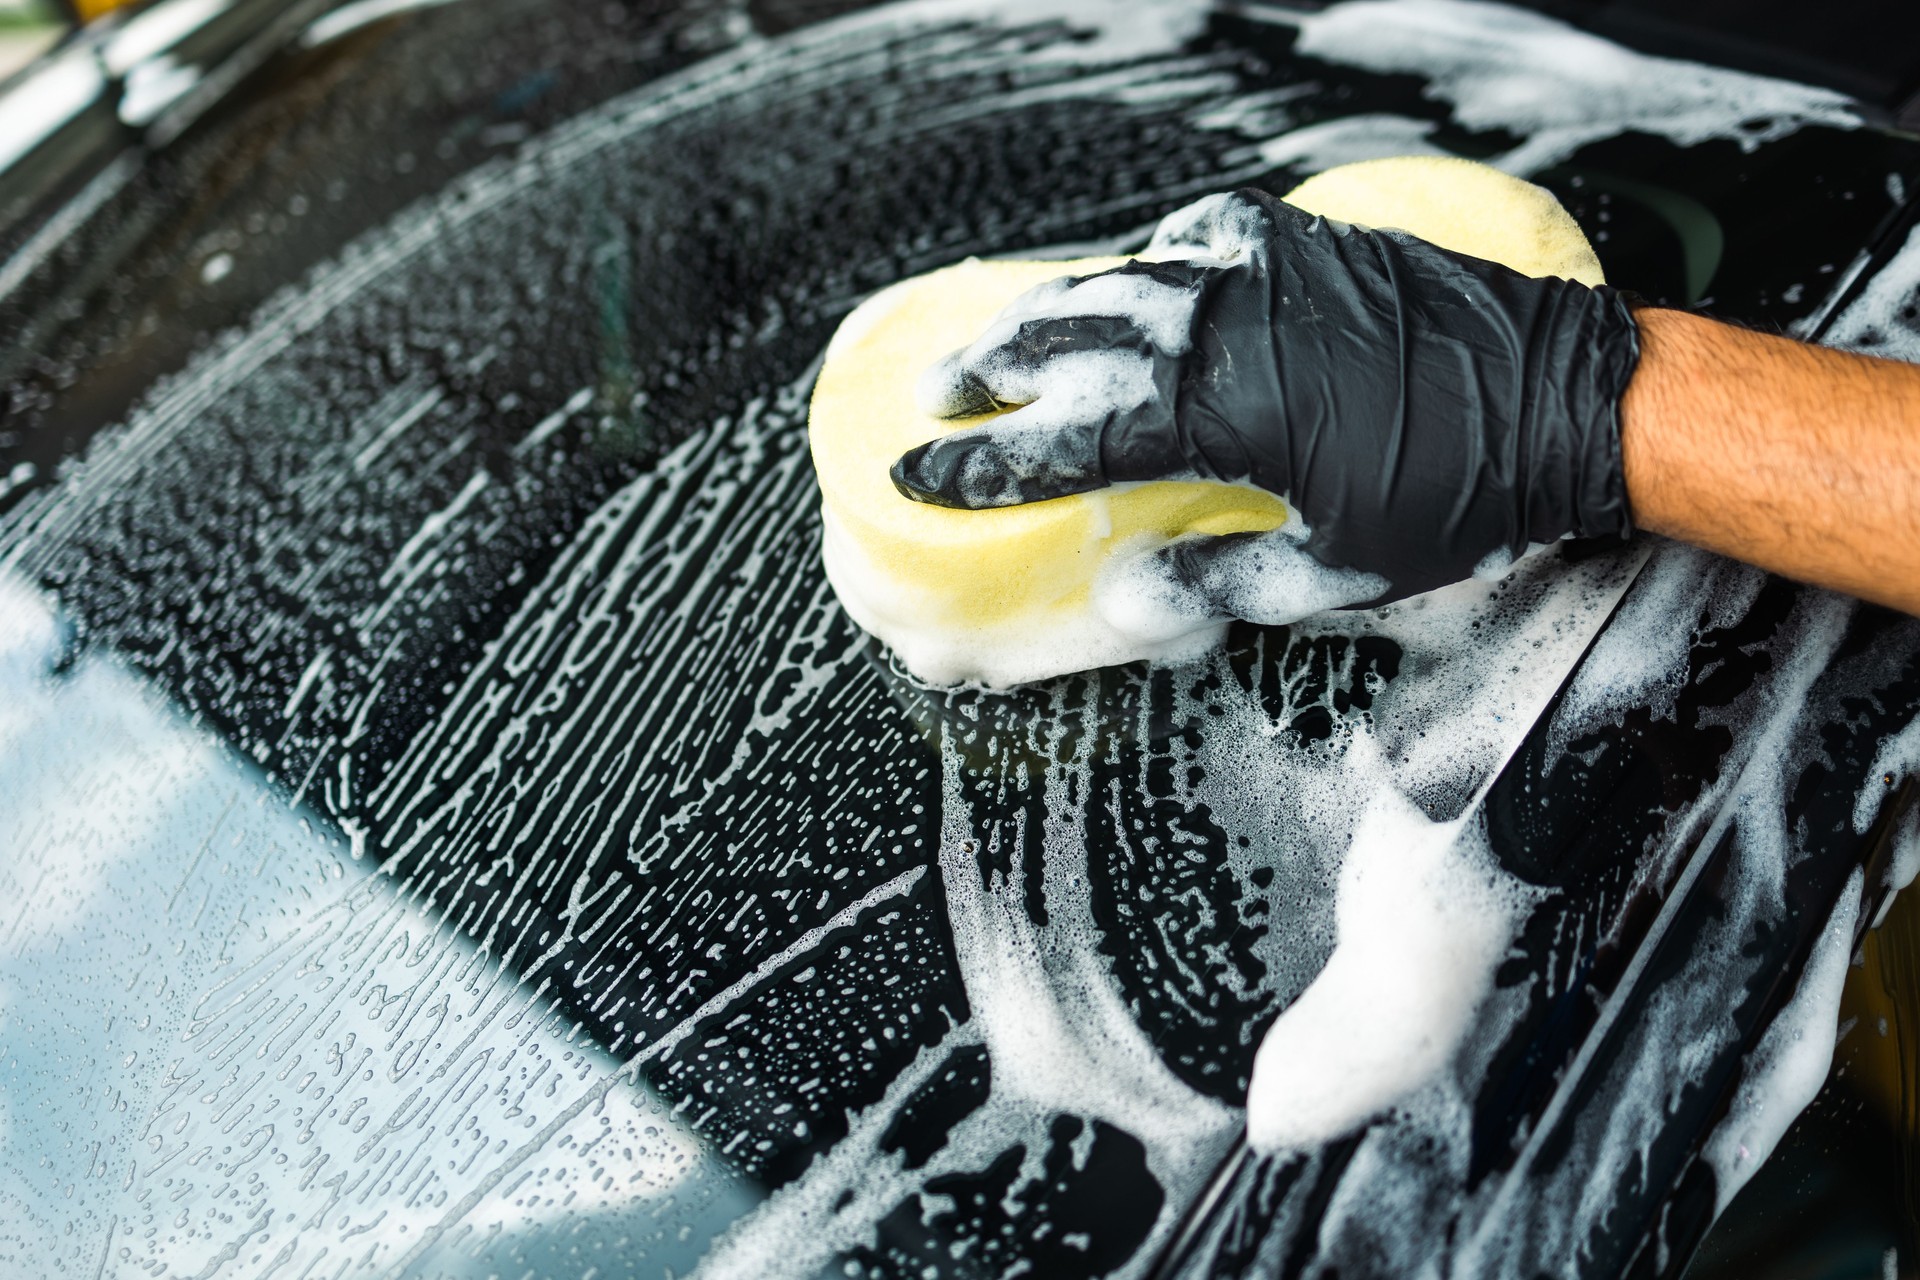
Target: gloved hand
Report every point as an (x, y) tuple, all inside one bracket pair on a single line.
[(1426, 414)]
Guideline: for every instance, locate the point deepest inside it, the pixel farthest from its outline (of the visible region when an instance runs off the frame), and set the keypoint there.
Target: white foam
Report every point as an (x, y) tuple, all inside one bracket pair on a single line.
[(1270, 580), (155, 30), (1164, 312), (1905, 863), (802, 1227), (1059, 1035), (1423, 918), (1502, 68), (1639, 661), (1317, 147), (45, 97), (1656, 1039), (1896, 761), (1219, 228), (1497, 563), (29, 630), (1785, 1071), (155, 85), (357, 14), (1078, 386), (1878, 321), (1070, 389), (1000, 655)]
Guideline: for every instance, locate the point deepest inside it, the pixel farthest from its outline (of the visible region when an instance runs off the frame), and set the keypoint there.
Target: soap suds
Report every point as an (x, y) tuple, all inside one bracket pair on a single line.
[(1150, 594), (1788, 1066), (1059, 1035), (1896, 762), (1072, 389), (1639, 660), (1423, 917), (1000, 656), (1506, 69), (682, 648), (1059, 389), (1618, 1099), (1314, 148), (1488, 658), (1883, 319)]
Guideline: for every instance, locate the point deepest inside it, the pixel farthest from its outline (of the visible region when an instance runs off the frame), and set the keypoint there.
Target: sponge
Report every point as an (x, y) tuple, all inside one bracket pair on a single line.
[(1461, 205), (1006, 596)]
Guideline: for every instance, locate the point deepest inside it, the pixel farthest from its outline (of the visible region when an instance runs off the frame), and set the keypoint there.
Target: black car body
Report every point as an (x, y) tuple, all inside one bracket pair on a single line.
[(457, 832)]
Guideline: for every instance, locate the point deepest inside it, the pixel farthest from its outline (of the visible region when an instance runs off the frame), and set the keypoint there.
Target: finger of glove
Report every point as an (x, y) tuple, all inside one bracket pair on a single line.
[(1013, 365), (1265, 578), (1138, 307), (1156, 296), (954, 385), (1003, 464), (1057, 446)]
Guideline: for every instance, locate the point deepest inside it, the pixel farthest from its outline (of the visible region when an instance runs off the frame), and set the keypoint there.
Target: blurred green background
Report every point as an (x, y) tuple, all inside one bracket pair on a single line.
[(26, 28)]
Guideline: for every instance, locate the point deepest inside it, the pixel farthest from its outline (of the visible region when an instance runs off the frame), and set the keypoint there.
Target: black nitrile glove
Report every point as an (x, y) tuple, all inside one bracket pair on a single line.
[(1427, 414)]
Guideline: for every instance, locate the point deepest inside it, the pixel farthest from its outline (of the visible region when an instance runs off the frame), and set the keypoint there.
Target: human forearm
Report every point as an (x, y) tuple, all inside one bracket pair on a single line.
[(1798, 459)]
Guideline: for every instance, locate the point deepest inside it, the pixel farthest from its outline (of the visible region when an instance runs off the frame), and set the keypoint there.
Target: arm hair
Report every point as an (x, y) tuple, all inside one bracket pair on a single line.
[(1799, 459)]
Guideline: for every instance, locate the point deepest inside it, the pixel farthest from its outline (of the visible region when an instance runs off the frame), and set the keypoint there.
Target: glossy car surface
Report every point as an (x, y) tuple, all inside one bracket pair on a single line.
[(457, 833)]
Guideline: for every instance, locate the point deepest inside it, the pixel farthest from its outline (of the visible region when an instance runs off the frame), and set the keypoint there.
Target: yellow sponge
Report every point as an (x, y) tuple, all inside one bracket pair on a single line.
[(1461, 205), (1005, 596)]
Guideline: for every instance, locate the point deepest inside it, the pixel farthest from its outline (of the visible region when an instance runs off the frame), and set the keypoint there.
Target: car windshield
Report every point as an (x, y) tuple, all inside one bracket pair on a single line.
[(453, 829)]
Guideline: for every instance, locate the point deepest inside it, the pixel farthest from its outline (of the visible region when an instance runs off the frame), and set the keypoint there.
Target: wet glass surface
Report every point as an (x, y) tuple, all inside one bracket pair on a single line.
[(457, 833)]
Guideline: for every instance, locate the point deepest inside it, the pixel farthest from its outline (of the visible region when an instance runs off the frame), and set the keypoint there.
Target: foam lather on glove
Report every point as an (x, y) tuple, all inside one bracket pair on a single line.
[(1425, 413), (1009, 594)]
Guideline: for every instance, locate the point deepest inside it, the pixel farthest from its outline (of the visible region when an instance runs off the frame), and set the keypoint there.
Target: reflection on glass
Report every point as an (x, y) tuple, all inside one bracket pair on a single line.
[(212, 1015)]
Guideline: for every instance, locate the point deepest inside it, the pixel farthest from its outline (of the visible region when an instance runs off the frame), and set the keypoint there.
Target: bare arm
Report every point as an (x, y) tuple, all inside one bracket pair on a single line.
[(1798, 459)]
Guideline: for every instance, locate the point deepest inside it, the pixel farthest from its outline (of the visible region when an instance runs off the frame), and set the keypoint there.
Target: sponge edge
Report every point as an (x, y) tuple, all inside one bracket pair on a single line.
[(1461, 205), (998, 654), (1009, 596)]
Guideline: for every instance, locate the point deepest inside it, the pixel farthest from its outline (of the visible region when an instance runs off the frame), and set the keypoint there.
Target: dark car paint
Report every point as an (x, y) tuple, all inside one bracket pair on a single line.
[(121, 302)]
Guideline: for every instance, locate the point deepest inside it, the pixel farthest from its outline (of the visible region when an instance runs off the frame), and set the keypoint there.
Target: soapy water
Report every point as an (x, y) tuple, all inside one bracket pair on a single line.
[(1489, 64), (1422, 924), (925, 970), (1788, 1066), (1154, 593)]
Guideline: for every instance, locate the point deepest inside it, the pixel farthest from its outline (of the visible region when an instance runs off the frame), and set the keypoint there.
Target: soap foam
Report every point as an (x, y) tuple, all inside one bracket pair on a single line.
[(1561, 88), (1150, 591), (1008, 654), (1664, 1034), (1317, 147), (1412, 916), (1073, 387), (1881, 318), (1639, 661), (1423, 918), (1785, 1071)]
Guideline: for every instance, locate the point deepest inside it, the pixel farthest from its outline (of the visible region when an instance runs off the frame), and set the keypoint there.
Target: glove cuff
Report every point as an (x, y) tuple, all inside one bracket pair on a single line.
[(1580, 488)]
